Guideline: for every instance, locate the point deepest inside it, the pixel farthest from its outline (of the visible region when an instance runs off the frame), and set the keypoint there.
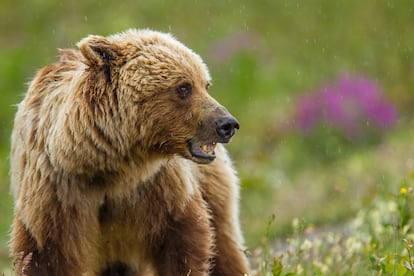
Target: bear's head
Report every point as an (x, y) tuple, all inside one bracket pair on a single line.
[(149, 92)]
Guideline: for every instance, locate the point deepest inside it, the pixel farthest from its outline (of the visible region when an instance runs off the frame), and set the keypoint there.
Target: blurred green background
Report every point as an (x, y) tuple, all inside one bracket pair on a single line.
[(263, 55)]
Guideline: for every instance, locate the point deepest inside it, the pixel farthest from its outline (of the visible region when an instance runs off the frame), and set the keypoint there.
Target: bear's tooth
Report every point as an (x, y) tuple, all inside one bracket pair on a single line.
[(208, 148)]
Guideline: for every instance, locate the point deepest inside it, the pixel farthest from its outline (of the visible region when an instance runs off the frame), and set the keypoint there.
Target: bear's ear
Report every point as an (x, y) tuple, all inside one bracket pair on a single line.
[(99, 51)]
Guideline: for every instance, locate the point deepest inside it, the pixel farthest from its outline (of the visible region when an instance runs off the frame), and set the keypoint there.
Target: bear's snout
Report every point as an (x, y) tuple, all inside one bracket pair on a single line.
[(226, 127), (215, 129)]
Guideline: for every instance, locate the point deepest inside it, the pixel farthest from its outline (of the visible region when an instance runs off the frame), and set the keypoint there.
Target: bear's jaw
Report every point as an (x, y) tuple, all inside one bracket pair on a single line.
[(202, 153)]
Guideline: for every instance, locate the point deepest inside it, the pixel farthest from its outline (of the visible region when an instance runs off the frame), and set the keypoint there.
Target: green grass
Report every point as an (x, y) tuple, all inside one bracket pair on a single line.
[(294, 47), (378, 240), (321, 193)]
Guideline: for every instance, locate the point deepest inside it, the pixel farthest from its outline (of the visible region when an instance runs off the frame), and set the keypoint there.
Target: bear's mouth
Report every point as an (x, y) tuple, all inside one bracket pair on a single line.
[(202, 152)]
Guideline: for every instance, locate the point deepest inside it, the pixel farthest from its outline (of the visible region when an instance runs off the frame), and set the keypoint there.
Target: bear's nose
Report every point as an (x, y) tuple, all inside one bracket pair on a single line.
[(226, 127)]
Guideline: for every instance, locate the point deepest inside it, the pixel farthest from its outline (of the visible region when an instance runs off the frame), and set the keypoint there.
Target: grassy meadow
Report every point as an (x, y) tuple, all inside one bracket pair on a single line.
[(323, 91)]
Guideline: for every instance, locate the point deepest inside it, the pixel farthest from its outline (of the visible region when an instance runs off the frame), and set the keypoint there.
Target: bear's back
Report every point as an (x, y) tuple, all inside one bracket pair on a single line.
[(37, 112)]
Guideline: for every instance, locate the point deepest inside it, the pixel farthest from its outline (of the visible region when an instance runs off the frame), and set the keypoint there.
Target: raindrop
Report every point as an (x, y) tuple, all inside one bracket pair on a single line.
[(85, 18), (287, 99), (279, 182)]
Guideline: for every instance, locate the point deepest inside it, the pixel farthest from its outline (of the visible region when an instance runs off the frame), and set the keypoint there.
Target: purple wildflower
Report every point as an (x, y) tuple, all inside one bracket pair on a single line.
[(353, 105)]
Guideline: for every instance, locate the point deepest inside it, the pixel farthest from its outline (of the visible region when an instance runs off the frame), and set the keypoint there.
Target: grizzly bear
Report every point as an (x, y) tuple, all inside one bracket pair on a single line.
[(118, 167)]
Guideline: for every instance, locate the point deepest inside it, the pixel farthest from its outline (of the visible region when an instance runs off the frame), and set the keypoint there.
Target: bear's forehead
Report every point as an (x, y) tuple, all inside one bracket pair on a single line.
[(161, 48)]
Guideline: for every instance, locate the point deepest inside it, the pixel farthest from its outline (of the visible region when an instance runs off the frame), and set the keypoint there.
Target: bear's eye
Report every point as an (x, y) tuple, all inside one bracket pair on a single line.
[(184, 90)]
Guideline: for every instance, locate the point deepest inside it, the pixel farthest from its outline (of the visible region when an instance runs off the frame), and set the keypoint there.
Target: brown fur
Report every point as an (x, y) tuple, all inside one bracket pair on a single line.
[(103, 178)]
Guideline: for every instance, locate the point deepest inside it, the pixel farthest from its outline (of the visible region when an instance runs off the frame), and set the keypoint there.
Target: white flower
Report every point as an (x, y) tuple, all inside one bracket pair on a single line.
[(306, 245), (353, 246)]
